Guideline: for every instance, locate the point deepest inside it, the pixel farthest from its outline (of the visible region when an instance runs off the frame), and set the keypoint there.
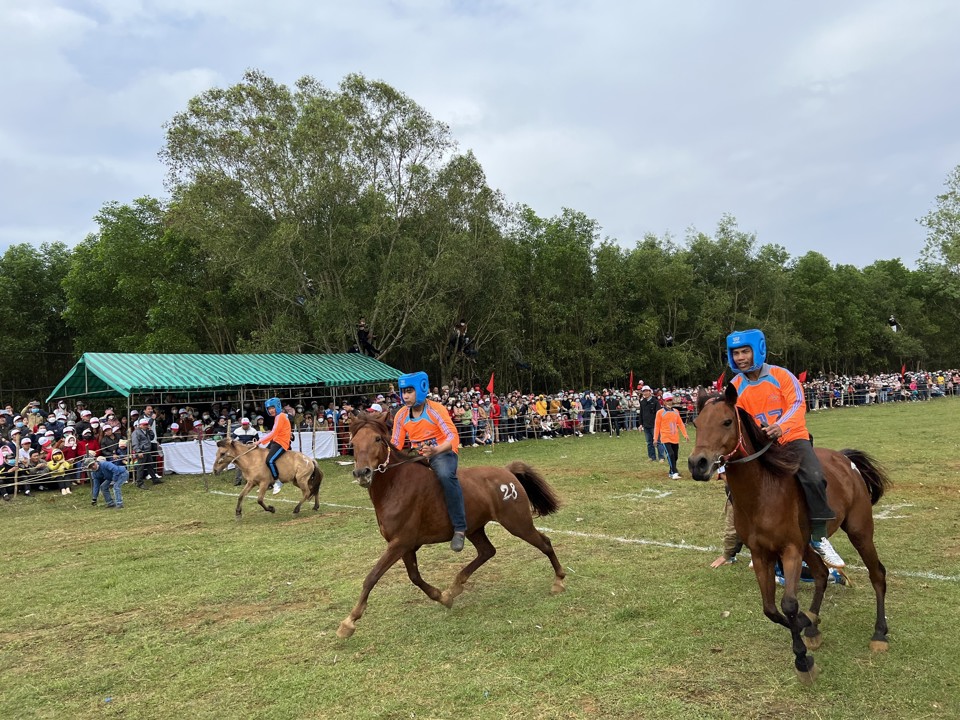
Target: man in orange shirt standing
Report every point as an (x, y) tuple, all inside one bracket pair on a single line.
[(277, 440), (430, 431), (774, 397)]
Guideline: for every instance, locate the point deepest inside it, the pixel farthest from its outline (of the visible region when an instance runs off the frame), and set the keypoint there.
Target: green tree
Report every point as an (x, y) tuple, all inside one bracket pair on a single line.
[(35, 340)]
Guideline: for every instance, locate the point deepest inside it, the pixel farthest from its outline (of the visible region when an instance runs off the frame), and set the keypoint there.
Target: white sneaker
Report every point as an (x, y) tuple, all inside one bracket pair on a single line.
[(276, 487), (825, 550), (675, 476), (64, 491)]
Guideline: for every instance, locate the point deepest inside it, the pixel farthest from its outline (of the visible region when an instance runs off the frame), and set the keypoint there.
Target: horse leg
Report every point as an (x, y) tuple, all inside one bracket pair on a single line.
[(542, 543), (763, 568), (304, 494), (243, 494), (349, 624), (862, 540), (812, 637), (485, 551), (260, 495), (803, 661), (413, 572)]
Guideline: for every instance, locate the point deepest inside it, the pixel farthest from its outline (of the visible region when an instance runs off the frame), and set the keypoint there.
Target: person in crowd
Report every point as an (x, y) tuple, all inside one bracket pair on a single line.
[(774, 398), (667, 430), (277, 440), (427, 427), (109, 442), (107, 477), (8, 472), (59, 468), (141, 449), (246, 434)]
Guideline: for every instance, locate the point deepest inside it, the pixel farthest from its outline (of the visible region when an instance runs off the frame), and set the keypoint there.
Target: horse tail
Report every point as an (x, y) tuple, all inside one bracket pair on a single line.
[(315, 479), (542, 496), (872, 472)]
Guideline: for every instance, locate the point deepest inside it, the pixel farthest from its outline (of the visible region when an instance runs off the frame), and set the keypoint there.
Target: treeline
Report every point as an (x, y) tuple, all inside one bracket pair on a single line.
[(295, 211)]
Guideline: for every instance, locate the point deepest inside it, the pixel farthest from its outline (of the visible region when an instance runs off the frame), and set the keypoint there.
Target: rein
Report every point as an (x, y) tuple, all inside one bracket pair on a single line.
[(385, 465), (725, 459)]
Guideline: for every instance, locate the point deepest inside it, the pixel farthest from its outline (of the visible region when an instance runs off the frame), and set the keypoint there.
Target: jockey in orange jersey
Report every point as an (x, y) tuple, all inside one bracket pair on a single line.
[(277, 440), (774, 397), (430, 431)]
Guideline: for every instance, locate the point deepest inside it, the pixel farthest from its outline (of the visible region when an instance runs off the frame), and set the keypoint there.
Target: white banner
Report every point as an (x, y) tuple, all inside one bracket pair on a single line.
[(183, 458)]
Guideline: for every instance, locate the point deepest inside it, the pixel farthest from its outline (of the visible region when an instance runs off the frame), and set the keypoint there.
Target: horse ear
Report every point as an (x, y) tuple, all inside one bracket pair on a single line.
[(387, 419), (702, 396), (730, 394)]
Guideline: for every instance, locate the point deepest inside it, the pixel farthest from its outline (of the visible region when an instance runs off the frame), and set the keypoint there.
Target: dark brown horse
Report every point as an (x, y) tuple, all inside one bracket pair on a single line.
[(411, 511), (293, 467), (770, 514)]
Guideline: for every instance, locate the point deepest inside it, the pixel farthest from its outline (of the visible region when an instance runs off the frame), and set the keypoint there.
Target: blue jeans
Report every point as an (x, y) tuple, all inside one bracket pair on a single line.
[(655, 451), (117, 497), (444, 466)]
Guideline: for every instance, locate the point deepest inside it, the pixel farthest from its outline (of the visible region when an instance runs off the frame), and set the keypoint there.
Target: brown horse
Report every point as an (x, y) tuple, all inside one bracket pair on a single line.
[(411, 511), (293, 467), (770, 514)]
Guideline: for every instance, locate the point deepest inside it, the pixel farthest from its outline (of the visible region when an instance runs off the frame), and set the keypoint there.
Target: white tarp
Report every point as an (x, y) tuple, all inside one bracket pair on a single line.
[(184, 457)]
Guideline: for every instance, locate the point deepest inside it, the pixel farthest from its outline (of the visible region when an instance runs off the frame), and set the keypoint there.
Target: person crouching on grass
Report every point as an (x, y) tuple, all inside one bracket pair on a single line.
[(104, 476), (667, 430)]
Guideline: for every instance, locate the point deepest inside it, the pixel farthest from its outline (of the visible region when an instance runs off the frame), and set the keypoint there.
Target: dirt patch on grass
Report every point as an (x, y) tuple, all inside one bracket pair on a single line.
[(252, 611)]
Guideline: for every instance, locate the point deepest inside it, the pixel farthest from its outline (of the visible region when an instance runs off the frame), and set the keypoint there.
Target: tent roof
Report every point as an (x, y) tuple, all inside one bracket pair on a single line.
[(122, 374)]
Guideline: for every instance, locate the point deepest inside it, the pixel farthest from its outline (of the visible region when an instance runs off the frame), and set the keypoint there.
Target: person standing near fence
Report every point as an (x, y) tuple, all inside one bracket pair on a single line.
[(649, 406), (141, 450)]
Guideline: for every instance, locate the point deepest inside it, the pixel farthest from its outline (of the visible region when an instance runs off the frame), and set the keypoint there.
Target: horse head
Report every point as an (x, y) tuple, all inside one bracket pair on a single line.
[(225, 455), (370, 437), (718, 432)]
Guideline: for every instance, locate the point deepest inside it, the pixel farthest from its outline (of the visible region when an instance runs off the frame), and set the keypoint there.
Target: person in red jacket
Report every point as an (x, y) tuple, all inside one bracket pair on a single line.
[(774, 397), (277, 440), (495, 412)]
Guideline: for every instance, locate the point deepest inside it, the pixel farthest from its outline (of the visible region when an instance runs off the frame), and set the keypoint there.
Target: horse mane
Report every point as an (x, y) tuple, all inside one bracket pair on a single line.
[(779, 459), (378, 420)]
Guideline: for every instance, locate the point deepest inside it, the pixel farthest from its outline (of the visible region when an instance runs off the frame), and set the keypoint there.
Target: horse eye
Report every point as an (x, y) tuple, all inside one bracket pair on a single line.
[(728, 422), (378, 439)]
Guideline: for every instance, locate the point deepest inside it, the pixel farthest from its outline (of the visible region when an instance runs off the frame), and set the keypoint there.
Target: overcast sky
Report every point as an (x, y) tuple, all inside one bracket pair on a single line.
[(819, 126)]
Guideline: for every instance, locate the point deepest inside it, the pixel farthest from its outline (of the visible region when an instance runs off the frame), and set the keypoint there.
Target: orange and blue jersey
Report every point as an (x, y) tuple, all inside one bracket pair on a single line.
[(281, 433), (668, 426), (774, 398), (432, 425)]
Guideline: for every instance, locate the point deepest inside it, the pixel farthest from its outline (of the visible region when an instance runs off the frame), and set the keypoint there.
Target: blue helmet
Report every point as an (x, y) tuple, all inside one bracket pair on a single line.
[(418, 381), (755, 340), (273, 403)]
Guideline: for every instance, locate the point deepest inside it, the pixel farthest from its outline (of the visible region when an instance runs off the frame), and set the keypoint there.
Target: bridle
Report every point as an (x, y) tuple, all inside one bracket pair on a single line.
[(725, 459), (385, 465)]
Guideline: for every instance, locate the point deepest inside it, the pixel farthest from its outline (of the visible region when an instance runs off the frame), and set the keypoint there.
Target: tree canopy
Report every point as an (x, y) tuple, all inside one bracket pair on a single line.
[(295, 211)]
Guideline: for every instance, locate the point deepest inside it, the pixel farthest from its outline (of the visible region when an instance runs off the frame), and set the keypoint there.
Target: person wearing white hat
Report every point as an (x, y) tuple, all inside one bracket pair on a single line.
[(248, 435), (667, 430), (141, 450)]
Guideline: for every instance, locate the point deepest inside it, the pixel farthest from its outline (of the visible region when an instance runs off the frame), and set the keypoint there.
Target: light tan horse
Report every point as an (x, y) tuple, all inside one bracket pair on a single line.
[(294, 467)]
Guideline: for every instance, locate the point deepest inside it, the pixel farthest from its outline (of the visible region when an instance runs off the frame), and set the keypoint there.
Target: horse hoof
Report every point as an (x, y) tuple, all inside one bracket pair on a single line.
[(808, 677), (346, 629), (271, 508), (558, 587), (813, 642), (296, 511), (879, 646), (447, 597)]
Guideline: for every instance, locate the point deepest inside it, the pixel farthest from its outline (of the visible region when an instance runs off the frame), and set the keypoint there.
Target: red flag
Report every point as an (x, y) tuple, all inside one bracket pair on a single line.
[(802, 377), (630, 386), (903, 370), (490, 385), (719, 383)]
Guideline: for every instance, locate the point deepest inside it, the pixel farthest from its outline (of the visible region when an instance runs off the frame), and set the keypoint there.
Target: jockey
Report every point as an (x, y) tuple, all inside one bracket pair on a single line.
[(774, 397), (428, 427), (277, 440)]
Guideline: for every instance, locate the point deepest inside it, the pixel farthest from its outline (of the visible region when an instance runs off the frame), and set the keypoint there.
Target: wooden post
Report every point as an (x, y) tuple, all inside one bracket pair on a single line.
[(203, 464)]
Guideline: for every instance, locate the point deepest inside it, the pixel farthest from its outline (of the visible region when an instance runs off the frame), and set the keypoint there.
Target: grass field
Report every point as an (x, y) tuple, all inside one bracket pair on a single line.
[(173, 609)]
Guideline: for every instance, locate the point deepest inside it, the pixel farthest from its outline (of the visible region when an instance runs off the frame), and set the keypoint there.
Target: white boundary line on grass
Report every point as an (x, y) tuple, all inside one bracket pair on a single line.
[(633, 541)]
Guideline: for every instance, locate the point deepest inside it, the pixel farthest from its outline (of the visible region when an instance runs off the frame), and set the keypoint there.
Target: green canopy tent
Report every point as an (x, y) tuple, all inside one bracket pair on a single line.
[(123, 375)]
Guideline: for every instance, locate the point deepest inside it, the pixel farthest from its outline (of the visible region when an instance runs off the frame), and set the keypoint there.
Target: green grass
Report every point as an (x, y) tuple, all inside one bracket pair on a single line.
[(171, 608)]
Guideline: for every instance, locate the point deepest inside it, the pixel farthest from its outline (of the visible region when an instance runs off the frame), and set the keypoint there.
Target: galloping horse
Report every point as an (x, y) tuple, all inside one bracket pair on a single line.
[(411, 511), (293, 467), (770, 514)]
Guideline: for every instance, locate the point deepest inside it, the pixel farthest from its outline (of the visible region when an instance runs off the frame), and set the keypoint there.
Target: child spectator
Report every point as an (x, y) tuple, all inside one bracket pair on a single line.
[(667, 430)]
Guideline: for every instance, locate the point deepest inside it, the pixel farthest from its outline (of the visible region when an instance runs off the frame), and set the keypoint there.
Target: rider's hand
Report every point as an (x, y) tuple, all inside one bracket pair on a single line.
[(773, 431)]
